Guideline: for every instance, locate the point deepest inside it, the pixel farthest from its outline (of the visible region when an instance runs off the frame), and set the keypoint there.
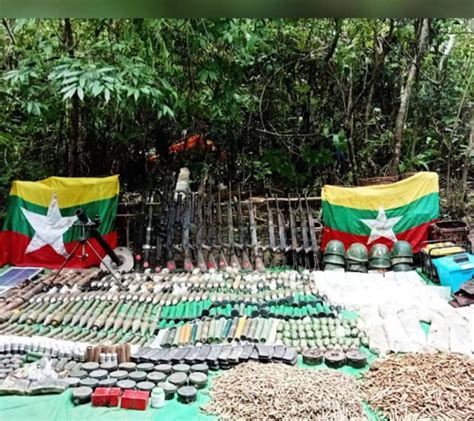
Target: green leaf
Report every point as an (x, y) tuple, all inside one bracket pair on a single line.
[(69, 80), (107, 95), (80, 93), (97, 88), (67, 88), (70, 93), (105, 69), (71, 73)]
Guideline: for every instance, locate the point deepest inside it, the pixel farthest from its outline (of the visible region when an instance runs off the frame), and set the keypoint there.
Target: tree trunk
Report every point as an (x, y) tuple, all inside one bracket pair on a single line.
[(469, 153), (349, 129), (73, 144), (382, 47), (405, 97)]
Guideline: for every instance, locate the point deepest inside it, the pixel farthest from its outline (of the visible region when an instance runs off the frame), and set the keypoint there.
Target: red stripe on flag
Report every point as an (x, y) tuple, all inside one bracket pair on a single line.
[(415, 236), (13, 246)]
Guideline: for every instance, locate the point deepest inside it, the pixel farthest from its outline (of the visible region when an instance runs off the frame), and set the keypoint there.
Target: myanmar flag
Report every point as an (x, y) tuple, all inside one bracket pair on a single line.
[(41, 228), (381, 214)]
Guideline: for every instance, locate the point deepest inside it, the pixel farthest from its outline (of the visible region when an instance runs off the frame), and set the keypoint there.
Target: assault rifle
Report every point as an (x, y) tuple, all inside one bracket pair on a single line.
[(234, 262), (222, 260), (259, 266), (246, 265), (312, 233), (188, 204)]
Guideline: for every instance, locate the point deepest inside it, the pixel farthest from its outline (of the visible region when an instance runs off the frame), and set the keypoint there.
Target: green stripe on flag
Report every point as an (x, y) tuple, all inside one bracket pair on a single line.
[(16, 221), (347, 219)]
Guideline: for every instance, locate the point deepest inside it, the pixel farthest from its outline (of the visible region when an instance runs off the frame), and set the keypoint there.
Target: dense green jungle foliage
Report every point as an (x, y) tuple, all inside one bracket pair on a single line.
[(290, 104)]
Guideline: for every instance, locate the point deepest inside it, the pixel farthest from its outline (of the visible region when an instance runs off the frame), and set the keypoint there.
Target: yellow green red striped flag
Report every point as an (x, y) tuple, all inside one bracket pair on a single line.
[(40, 226), (381, 214)]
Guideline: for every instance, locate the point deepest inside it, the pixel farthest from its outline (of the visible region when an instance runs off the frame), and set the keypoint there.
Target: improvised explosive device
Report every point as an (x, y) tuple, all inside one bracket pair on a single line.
[(422, 386), (276, 391)]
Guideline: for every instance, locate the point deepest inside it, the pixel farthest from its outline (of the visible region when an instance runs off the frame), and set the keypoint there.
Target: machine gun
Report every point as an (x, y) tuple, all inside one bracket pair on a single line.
[(284, 248)]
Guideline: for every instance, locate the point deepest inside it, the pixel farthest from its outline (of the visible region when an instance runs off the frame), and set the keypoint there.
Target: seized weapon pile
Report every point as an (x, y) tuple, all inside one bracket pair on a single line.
[(421, 386), (185, 308), (277, 391), (190, 229)]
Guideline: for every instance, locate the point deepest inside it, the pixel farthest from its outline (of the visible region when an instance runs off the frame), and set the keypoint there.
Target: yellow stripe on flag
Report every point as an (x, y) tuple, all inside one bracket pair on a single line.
[(388, 196), (70, 191)]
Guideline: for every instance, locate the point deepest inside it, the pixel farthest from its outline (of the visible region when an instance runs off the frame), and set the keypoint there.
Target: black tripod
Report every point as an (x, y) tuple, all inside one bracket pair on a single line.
[(89, 226)]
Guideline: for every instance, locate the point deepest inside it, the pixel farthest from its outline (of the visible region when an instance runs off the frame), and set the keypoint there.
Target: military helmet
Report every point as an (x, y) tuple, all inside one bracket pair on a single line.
[(379, 263), (335, 247), (357, 267), (379, 251), (357, 252), (402, 267), (397, 260), (331, 266), (334, 259), (402, 249)]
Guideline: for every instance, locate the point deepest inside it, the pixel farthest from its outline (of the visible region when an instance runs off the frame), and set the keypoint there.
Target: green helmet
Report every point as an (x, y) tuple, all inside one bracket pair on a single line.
[(397, 260), (357, 252), (330, 266), (334, 259), (402, 249), (335, 247), (379, 263), (357, 267), (379, 251), (402, 267)]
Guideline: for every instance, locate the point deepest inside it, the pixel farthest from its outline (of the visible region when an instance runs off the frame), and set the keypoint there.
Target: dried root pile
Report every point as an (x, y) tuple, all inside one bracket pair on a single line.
[(415, 386), (277, 391)]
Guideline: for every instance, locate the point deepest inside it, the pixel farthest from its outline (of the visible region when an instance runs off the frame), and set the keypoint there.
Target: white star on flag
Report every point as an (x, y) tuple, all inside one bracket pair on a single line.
[(49, 229), (381, 226)]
